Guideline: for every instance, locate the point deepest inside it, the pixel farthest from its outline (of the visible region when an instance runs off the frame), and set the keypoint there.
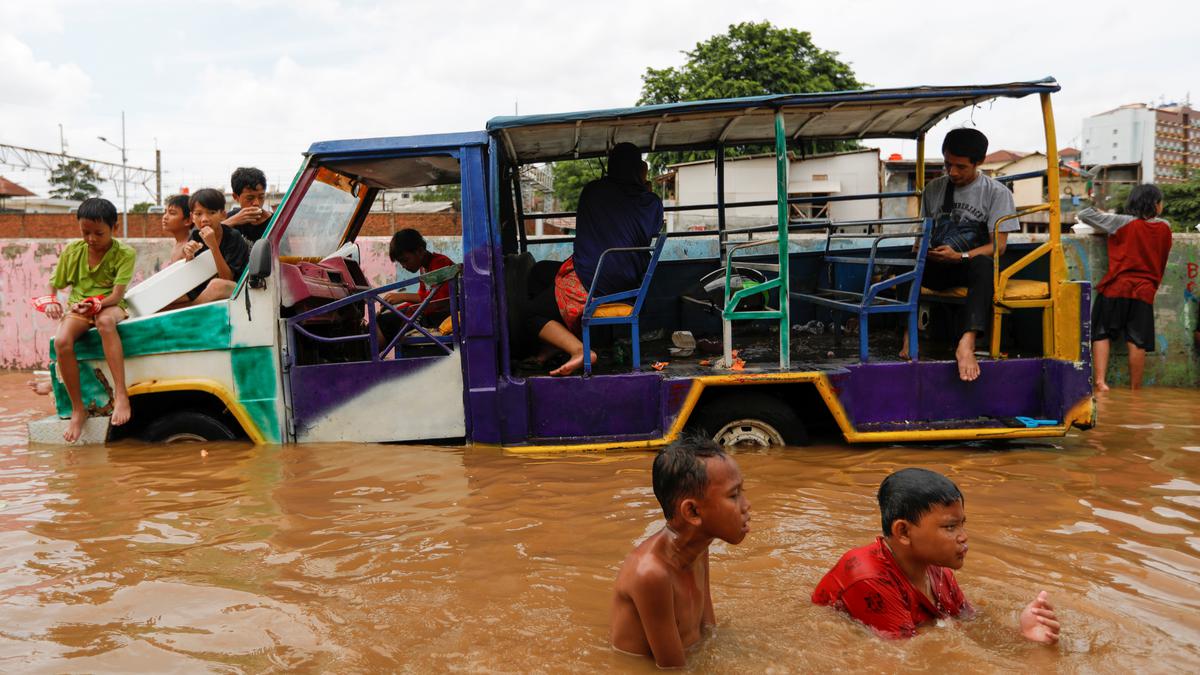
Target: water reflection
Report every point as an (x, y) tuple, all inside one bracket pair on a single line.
[(365, 557)]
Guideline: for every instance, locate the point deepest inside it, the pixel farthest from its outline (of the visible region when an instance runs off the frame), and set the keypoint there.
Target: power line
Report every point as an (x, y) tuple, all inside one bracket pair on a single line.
[(41, 160)]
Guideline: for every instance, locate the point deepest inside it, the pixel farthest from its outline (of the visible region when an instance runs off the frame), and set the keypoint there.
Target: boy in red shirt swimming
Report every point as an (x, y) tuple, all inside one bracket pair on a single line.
[(904, 579), (1138, 246)]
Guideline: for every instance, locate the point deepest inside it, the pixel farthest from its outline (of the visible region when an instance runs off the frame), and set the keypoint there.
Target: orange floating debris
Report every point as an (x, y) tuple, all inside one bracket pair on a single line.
[(659, 365)]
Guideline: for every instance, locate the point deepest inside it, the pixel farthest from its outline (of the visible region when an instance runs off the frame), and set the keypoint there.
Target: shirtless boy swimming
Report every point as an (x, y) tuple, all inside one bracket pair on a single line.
[(662, 600)]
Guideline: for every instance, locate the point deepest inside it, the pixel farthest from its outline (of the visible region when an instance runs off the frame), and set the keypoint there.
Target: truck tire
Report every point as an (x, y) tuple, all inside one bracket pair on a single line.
[(749, 418), (187, 426)]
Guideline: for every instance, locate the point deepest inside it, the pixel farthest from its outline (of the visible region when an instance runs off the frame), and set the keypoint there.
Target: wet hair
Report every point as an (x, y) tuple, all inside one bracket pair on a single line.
[(405, 241), (909, 494), (247, 177), (679, 471), (969, 143), (1143, 201), (98, 209), (213, 200), (625, 163), (180, 202)]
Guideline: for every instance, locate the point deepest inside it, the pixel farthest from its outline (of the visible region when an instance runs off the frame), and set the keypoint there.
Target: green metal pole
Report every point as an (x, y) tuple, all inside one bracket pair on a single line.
[(781, 187)]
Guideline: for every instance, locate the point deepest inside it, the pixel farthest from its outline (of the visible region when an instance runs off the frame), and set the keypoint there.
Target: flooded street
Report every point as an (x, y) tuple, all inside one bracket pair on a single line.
[(370, 557)]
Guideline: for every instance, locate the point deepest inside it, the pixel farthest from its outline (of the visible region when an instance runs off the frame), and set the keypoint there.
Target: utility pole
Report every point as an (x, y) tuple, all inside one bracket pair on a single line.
[(158, 176), (62, 140), (124, 179)]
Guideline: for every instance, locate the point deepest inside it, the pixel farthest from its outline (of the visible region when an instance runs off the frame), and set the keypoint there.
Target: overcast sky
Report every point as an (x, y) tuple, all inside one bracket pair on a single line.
[(219, 84)]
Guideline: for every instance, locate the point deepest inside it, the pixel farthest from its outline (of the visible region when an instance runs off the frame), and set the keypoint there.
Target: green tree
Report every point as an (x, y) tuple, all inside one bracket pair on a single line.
[(73, 179), (141, 207), (751, 59), (1181, 202), (569, 177), (440, 193)]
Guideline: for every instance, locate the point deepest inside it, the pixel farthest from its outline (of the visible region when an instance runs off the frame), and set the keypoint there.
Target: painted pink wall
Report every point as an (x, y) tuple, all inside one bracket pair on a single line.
[(26, 266)]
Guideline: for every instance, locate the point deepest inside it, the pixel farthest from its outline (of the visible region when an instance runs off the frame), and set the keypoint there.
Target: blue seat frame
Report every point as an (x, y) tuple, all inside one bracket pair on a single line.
[(869, 301), (638, 295)]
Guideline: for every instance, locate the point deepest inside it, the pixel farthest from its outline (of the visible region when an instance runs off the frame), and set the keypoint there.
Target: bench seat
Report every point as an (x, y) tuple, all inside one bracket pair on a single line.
[(1015, 289)]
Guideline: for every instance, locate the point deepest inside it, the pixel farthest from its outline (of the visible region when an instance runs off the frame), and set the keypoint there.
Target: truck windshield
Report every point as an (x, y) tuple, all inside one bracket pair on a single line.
[(317, 226)]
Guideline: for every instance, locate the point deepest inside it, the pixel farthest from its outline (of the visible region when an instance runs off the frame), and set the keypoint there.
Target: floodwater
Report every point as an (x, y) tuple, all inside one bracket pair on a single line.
[(355, 558)]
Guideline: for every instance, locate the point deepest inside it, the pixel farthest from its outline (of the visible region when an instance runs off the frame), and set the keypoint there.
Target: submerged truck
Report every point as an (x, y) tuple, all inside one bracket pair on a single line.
[(294, 355)]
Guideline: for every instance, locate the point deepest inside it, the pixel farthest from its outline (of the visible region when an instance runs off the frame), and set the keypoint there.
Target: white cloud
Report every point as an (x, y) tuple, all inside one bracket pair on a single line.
[(256, 81)]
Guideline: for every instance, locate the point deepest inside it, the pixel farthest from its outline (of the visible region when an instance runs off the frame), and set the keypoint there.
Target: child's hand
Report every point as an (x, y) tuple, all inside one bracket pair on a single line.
[(54, 311), (190, 249), (1038, 621), (209, 235)]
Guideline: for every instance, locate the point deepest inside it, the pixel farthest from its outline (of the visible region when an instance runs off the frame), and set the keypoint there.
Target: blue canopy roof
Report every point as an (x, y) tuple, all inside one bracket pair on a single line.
[(871, 113)]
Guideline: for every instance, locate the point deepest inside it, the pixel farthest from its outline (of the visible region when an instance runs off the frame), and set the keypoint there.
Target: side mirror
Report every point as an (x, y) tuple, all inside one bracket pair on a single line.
[(261, 258)]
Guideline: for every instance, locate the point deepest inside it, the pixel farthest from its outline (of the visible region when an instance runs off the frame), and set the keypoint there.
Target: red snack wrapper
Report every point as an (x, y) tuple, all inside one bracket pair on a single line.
[(91, 306), (43, 302)]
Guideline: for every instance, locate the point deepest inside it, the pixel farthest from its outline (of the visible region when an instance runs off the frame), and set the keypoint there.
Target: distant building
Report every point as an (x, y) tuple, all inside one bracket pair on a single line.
[(752, 179), (1137, 143)]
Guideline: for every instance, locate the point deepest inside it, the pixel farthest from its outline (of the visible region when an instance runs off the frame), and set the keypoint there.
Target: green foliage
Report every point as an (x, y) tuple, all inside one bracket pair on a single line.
[(1181, 202), (74, 179), (141, 207), (569, 178), (751, 59), (440, 193)]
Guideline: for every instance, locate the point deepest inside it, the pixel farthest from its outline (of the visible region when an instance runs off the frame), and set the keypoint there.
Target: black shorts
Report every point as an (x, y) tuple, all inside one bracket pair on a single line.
[(1116, 318)]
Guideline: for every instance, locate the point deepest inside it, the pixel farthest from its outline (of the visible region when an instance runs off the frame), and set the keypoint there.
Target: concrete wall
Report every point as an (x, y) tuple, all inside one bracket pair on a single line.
[(26, 265), (146, 225), (1175, 362)]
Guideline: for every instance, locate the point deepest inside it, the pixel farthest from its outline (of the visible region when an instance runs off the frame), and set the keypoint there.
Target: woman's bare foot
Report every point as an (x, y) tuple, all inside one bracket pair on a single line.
[(40, 387), (121, 412), (75, 429), (1101, 386), (574, 364), (968, 365)]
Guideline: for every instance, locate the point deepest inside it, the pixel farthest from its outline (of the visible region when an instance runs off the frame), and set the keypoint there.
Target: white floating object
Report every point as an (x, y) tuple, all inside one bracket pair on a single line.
[(1081, 228), (169, 283)]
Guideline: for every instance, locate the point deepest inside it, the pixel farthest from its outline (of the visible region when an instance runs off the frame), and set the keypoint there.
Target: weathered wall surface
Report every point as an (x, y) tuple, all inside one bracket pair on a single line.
[(1175, 361), (142, 225), (26, 265)]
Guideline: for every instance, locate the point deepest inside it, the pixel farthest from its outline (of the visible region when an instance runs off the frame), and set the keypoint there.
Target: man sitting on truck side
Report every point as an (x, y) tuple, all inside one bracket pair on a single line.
[(965, 205), (615, 211)]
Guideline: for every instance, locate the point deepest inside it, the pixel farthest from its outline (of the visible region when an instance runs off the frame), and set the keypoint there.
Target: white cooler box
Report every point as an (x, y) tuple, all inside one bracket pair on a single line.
[(169, 283)]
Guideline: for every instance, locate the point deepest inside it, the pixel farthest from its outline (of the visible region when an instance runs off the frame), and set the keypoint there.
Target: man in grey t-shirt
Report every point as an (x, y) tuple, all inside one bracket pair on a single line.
[(965, 205)]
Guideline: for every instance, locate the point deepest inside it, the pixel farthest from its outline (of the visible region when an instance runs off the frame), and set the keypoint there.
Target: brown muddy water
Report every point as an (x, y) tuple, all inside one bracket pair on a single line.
[(355, 558)]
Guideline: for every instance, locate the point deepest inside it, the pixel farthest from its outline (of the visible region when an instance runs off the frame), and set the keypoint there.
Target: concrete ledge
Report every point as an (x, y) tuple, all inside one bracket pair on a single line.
[(50, 430)]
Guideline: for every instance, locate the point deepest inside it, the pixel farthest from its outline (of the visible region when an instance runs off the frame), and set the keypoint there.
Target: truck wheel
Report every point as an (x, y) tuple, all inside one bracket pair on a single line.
[(749, 418), (187, 426)]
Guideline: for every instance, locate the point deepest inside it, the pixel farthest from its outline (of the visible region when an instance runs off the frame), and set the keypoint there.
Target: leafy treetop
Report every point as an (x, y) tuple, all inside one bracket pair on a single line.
[(750, 59), (73, 179)]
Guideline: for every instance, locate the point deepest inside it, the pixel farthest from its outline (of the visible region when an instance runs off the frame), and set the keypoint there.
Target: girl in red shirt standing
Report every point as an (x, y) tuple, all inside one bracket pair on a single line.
[(1138, 245)]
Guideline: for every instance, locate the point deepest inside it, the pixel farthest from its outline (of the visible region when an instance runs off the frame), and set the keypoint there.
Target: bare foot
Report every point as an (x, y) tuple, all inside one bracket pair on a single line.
[(75, 429), (41, 388), (904, 347), (574, 364), (121, 412), (968, 366), (1101, 386)]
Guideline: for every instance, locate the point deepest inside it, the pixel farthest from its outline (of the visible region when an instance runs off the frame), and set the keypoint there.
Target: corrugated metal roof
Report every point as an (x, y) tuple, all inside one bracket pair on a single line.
[(872, 113)]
